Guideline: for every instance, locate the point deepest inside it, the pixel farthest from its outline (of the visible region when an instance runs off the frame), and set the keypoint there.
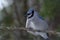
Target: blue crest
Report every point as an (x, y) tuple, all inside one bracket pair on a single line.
[(30, 10)]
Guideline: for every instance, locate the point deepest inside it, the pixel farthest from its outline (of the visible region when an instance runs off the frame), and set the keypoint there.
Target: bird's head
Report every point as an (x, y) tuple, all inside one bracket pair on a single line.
[(30, 13)]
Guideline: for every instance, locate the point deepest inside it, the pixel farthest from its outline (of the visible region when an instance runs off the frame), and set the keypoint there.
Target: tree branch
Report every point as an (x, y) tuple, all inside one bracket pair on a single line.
[(26, 29)]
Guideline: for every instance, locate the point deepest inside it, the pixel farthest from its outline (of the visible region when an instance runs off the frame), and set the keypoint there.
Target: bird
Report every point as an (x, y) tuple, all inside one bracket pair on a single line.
[(36, 22)]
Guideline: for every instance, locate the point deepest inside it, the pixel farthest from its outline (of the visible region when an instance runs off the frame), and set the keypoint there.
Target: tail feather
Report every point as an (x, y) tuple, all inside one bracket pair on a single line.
[(44, 35)]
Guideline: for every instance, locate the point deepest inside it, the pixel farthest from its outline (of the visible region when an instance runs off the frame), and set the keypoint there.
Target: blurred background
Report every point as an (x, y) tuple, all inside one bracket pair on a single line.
[(12, 17)]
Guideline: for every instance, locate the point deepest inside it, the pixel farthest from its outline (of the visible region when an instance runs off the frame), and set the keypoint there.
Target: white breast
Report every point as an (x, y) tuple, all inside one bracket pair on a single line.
[(39, 24)]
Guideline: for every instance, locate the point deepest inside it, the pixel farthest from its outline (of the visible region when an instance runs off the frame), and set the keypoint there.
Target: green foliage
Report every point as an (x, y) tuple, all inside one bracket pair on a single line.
[(8, 16), (49, 8), (8, 20), (58, 28)]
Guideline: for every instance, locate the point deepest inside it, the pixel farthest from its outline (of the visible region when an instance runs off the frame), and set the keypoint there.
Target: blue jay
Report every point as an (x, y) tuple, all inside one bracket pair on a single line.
[(36, 22)]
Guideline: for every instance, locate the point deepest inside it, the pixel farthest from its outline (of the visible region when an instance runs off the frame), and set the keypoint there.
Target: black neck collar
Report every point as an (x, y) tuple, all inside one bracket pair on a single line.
[(32, 14)]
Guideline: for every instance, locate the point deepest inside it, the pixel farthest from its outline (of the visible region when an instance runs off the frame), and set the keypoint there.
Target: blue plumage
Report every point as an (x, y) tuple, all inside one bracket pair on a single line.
[(36, 22)]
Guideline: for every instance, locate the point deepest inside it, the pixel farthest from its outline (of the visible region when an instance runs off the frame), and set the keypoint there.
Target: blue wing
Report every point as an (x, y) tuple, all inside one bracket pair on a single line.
[(40, 17)]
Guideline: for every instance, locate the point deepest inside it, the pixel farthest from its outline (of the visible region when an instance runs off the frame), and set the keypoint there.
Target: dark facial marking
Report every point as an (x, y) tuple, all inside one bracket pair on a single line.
[(28, 14), (32, 14)]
